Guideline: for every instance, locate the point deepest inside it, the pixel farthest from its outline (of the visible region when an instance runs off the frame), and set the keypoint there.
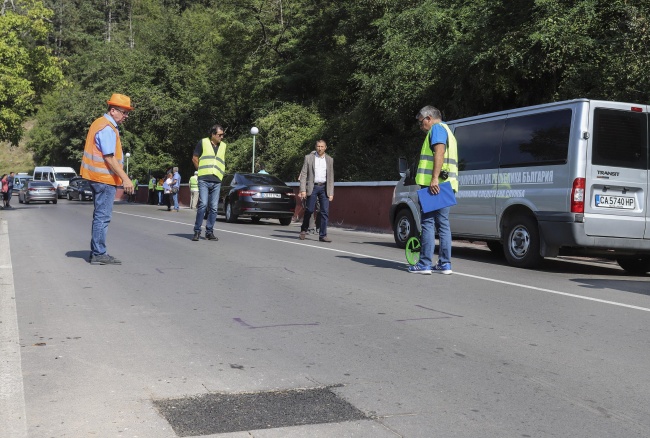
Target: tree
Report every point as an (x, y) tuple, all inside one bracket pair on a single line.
[(27, 67)]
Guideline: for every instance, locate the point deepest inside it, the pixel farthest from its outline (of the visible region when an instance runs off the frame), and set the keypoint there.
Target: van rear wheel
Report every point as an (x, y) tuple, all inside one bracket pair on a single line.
[(404, 227), (637, 265), (521, 247)]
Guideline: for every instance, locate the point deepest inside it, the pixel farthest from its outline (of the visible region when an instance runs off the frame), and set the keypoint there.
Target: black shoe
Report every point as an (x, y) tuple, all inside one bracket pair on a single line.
[(104, 259), (197, 235), (211, 236)]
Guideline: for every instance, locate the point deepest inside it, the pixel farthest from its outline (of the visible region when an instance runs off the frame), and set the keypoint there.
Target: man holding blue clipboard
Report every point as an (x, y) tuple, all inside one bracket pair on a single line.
[(437, 173)]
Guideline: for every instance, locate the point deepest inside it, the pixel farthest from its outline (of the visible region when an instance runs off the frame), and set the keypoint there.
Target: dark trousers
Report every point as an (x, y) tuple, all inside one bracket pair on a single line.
[(152, 197), (320, 194)]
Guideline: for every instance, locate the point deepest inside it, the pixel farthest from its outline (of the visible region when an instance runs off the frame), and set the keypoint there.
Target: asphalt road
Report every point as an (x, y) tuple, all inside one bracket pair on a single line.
[(490, 351)]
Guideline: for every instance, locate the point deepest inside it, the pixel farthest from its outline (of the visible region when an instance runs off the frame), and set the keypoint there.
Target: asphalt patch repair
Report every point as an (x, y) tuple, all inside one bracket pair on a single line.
[(214, 413)]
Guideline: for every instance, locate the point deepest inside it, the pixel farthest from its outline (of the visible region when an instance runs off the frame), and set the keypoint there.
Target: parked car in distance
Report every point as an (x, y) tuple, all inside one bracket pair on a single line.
[(37, 191), (79, 189), (256, 195), (19, 180)]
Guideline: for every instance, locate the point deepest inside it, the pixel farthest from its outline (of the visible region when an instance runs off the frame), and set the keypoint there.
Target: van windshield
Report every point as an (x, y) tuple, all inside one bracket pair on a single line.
[(65, 176)]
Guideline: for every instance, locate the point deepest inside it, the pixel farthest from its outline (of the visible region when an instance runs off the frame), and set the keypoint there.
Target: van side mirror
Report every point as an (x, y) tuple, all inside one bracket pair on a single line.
[(403, 166)]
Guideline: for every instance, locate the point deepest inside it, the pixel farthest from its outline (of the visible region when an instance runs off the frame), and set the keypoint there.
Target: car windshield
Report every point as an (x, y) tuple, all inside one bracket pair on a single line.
[(65, 176), (259, 179)]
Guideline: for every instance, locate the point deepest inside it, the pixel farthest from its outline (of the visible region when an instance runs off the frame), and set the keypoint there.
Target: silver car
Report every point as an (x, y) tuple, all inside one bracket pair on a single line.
[(37, 191)]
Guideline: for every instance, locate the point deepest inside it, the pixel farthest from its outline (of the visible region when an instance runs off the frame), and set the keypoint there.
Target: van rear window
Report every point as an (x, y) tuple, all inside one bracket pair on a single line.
[(620, 139), (536, 140)]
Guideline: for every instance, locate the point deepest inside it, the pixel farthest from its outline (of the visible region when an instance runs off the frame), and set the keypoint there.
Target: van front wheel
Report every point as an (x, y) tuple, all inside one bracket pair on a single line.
[(405, 227), (521, 247), (635, 265)]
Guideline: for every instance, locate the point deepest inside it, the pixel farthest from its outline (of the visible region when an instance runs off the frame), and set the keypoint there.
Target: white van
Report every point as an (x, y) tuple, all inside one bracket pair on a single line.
[(59, 176), (555, 179)]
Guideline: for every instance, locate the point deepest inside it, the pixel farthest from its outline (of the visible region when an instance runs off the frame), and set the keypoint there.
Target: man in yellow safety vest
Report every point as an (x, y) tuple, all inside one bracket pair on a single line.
[(438, 163), (209, 158)]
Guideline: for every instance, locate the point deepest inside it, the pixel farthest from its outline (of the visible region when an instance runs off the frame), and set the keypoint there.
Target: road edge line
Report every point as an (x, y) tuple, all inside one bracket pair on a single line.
[(12, 392)]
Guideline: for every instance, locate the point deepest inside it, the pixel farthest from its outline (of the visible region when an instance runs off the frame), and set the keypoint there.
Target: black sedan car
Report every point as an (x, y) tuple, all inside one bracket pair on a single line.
[(79, 189), (256, 195), (33, 191)]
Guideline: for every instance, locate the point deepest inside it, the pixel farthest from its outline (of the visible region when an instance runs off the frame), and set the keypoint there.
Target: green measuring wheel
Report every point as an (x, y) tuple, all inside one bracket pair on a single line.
[(413, 250)]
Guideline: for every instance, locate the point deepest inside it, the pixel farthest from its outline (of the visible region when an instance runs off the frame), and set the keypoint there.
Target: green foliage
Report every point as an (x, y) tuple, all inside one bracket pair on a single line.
[(27, 67), (353, 71), (286, 135)]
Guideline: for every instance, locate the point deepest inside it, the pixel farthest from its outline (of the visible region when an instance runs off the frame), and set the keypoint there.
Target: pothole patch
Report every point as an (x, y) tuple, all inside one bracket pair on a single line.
[(214, 413)]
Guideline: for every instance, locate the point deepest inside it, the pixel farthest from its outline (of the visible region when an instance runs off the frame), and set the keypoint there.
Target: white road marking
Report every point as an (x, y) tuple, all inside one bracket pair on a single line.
[(12, 393), (493, 280)]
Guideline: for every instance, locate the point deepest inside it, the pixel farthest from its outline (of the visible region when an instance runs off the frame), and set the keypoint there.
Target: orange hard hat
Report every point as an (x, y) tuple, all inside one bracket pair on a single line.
[(120, 100)]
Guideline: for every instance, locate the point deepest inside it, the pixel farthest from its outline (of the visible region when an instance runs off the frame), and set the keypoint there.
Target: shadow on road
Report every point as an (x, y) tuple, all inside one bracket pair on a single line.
[(561, 265), (634, 286), (382, 244), (377, 263), (78, 254)]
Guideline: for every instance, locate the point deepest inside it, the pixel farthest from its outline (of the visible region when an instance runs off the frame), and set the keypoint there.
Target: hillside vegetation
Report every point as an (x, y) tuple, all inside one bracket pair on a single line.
[(16, 158), (353, 72)]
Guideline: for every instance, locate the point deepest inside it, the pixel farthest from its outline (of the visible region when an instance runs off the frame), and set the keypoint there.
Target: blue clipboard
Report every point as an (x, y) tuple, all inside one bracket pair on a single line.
[(430, 202)]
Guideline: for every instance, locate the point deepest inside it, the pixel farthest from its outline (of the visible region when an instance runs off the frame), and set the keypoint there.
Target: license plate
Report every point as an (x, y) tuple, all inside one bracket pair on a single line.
[(625, 202), (271, 195)]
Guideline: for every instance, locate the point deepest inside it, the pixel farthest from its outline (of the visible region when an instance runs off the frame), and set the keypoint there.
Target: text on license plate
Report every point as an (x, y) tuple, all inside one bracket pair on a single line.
[(271, 195), (608, 201)]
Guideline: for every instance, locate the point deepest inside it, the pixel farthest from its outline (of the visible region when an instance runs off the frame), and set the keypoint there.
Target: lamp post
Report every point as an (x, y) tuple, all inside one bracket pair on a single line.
[(254, 132), (127, 155)]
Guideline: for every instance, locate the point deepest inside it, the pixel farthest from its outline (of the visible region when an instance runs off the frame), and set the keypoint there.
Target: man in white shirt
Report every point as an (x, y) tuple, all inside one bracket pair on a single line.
[(317, 182)]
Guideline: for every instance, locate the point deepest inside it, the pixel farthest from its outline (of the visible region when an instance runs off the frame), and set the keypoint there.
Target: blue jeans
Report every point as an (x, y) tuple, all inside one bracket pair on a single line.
[(208, 198), (438, 219), (319, 193), (175, 198), (103, 197)]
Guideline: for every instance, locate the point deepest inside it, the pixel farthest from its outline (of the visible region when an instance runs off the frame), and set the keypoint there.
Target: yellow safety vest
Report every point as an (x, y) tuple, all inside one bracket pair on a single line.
[(425, 166), (209, 164), (194, 183)]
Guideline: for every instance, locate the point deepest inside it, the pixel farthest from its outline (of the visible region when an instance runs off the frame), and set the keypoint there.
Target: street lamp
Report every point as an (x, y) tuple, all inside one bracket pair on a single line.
[(127, 155), (254, 132)]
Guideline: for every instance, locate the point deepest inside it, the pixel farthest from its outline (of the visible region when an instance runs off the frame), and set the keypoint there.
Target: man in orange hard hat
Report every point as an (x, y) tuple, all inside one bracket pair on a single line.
[(102, 165)]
